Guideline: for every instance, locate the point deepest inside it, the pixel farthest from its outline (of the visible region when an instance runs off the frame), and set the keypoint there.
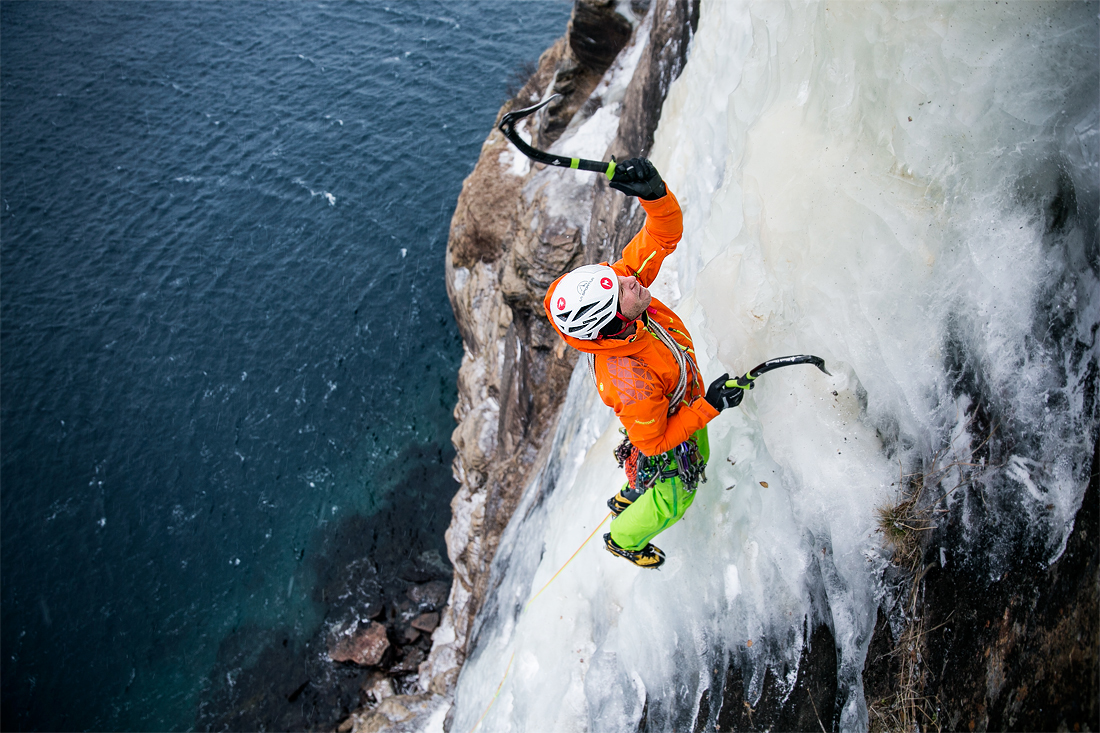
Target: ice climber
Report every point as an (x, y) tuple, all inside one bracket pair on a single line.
[(643, 362)]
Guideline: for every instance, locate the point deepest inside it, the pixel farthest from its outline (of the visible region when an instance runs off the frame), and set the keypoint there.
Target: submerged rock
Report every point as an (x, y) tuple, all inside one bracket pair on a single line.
[(426, 622), (360, 645)]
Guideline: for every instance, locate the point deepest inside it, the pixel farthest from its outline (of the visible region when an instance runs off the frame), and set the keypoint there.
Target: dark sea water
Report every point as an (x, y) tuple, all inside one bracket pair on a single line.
[(227, 359)]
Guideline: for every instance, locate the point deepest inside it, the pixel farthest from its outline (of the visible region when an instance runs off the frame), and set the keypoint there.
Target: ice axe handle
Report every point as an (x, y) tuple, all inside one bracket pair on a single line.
[(744, 382)]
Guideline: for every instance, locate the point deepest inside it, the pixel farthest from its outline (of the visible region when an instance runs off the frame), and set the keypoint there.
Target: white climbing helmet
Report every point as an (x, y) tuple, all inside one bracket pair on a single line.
[(585, 300)]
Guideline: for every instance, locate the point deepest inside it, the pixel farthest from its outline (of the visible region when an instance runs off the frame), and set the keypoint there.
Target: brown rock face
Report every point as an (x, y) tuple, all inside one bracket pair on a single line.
[(516, 228), (595, 36), (361, 645), (597, 33)]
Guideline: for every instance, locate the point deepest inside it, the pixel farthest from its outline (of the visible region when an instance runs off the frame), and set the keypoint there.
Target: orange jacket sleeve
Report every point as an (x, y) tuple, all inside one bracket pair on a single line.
[(664, 225)]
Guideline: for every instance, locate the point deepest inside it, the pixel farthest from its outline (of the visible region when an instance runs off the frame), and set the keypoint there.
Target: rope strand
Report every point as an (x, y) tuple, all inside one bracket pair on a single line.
[(547, 585)]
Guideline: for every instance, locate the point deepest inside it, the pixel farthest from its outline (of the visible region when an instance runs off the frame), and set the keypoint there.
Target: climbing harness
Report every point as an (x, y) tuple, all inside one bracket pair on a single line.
[(684, 462)]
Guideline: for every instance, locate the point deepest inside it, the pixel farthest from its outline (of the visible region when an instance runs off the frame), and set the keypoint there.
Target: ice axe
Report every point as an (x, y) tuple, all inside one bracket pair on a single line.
[(725, 392), (508, 127), (745, 381)]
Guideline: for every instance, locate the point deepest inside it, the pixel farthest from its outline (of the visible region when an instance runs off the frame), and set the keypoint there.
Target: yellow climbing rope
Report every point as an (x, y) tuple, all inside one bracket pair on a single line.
[(555, 575), (495, 694), (597, 529)]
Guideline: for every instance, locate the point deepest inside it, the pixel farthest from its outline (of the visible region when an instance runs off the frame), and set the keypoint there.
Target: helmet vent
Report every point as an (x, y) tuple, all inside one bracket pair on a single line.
[(584, 309), (577, 308)]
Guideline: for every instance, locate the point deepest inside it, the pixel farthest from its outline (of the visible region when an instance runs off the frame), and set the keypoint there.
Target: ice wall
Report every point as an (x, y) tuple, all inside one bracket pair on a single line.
[(907, 190)]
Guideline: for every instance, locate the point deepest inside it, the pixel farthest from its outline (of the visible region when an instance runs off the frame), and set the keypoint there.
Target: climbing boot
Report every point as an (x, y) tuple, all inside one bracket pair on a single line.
[(649, 556), (618, 503), (623, 499)]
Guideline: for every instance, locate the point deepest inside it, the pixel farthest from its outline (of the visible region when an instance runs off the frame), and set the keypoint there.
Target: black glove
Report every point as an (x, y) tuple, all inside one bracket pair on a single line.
[(725, 392), (638, 177)]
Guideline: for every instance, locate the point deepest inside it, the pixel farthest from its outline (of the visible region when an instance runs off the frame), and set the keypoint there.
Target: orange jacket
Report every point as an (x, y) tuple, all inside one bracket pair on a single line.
[(636, 375)]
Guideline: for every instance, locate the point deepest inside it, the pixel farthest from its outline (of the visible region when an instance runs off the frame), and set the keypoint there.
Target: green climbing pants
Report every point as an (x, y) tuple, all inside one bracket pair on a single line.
[(657, 509)]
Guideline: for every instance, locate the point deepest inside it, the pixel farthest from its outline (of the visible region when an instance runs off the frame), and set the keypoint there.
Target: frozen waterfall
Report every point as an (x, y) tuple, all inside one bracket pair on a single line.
[(908, 190)]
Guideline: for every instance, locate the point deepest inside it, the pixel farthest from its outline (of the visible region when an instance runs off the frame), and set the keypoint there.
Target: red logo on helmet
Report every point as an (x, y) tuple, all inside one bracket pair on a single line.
[(561, 304), (606, 283)]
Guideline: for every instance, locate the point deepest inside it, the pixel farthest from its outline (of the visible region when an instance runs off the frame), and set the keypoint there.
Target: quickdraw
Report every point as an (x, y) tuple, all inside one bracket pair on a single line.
[(684, 462)]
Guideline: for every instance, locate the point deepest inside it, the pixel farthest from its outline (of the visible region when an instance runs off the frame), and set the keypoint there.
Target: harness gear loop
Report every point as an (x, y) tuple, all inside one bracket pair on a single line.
[(684, 462)]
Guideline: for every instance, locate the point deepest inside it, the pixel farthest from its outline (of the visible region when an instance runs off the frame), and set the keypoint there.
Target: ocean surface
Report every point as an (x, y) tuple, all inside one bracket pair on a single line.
[(228, 359)]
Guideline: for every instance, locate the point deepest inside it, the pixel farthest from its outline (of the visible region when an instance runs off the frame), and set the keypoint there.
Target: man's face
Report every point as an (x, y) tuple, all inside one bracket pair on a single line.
[(633, 298)]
